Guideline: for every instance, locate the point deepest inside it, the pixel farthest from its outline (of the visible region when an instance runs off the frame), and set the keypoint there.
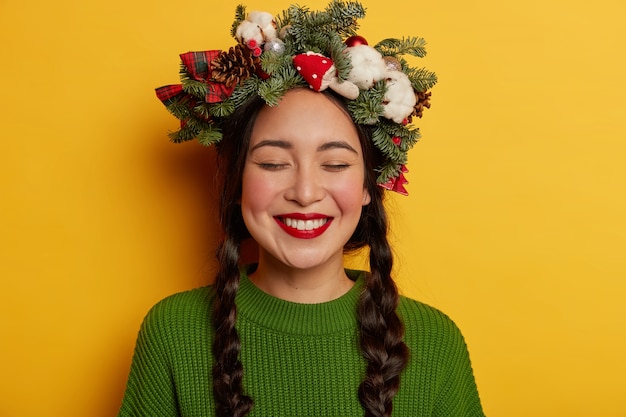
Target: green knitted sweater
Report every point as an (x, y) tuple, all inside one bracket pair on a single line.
[(298, 359)]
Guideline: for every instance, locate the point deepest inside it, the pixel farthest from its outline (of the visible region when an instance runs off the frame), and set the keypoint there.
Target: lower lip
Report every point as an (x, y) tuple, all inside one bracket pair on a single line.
[(303, 234)]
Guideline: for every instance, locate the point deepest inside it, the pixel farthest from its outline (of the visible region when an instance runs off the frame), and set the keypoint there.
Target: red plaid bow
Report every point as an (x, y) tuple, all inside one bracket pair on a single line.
[(198, 66)]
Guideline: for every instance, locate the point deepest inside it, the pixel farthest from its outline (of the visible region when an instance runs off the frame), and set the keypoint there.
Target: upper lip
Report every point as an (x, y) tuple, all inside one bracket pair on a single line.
[(303, 216)]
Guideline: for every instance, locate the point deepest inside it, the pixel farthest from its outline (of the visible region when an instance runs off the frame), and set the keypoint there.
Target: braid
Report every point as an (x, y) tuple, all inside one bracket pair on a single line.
[(227, 369), (382, 331)]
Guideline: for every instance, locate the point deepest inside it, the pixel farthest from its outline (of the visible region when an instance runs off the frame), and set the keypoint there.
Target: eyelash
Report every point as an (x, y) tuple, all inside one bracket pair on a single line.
[(329, 167), (336, 167), (271, 167)]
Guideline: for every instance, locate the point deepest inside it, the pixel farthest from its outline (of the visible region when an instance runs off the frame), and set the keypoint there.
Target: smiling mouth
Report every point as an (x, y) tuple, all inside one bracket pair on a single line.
[(304, 226), (300, 224)]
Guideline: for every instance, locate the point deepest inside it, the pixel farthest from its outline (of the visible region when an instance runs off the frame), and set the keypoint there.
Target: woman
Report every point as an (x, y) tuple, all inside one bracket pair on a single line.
[(296, 333)]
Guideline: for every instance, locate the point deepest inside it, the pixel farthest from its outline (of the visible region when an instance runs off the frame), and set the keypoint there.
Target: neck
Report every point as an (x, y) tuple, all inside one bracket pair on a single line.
[(319, 284)]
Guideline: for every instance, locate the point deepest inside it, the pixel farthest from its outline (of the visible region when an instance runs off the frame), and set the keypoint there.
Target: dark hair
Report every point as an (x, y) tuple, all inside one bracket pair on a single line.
[(381, 330)]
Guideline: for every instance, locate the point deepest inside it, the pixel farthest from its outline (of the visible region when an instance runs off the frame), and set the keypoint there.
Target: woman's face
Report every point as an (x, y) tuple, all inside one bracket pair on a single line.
[(303, 181)]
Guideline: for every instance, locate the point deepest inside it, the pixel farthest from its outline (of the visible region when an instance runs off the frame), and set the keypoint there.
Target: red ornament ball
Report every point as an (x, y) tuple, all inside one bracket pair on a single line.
[(355, 41)]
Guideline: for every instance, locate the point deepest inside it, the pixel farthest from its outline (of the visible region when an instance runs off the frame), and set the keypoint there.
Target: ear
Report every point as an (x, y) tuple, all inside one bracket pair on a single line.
[(367, 198)]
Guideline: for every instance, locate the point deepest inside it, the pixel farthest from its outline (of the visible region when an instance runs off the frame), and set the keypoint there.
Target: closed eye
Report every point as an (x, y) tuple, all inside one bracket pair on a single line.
[(271, 166), (336, 167)]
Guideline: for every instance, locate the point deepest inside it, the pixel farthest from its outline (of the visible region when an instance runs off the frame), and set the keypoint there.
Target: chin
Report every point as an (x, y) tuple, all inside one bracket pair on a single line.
[(304, 263), (306, 260)]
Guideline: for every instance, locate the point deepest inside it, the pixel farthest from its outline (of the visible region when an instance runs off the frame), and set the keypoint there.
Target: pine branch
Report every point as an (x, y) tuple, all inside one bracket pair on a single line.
[(365, 112), (344, 16), (222, 109), (181, 107), (244, 91), (294, 17), (190, 85), (342, 61), (408, 136), (317, 42), (183, 135), (312, 30), (274, 88), (384, 142), (406, 46), (240, 16), (272, 62), (413, 138), (194, 87), (202, 110), (210, 136), (183, 73), (387, 171), (196, 125), (421, 78), (367, 107)]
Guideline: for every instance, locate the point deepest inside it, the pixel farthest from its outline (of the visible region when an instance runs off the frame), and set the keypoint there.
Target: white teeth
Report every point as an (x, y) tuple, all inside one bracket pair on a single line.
[(304, 224)]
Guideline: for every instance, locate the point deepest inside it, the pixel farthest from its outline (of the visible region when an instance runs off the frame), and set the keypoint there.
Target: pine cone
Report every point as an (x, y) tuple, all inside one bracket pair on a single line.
[(423, 100), (234, 66)]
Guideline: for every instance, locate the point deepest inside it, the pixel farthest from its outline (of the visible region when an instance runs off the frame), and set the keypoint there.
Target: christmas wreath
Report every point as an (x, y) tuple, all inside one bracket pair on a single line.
[(318, 49)]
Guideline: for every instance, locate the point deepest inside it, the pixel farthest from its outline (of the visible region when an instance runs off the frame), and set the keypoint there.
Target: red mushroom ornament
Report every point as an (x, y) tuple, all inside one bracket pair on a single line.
[(320, 73)]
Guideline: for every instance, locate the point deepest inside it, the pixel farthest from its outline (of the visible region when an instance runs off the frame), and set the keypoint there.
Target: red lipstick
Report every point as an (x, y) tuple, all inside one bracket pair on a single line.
[(296, 224)]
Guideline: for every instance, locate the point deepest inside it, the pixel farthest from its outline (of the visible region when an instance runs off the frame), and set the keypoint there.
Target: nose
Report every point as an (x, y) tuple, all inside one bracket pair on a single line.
[(306, 187)]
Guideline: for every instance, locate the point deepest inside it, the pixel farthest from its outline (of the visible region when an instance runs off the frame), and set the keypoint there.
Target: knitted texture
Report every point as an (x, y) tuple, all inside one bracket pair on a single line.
[(298, 359)]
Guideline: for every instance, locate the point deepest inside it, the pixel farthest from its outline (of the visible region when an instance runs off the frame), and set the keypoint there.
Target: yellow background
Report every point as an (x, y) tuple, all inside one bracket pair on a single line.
[(514, 225)]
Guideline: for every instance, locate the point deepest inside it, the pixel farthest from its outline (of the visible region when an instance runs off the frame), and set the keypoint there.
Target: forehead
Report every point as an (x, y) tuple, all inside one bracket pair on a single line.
[(305, 116)]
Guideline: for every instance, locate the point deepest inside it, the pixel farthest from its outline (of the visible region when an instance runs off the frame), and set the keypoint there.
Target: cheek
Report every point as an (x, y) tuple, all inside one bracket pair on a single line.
[(256, 192), (350, 194)]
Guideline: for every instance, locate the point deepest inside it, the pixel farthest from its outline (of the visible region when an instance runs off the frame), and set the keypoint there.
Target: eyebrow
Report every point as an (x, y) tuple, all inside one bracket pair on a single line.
[(336, 144), (276, 143)]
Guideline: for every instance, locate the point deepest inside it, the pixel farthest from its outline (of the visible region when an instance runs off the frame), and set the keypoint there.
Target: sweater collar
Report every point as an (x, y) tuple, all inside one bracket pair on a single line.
[(262, 309)]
